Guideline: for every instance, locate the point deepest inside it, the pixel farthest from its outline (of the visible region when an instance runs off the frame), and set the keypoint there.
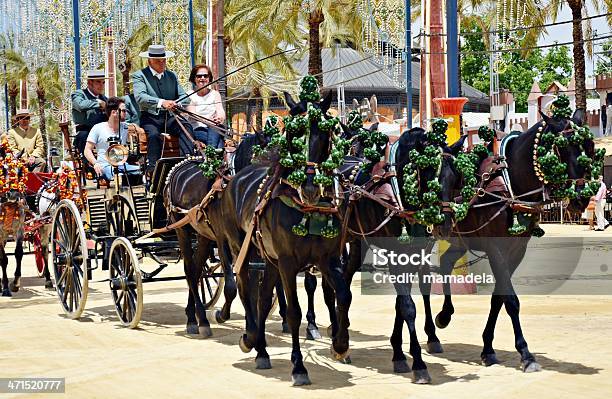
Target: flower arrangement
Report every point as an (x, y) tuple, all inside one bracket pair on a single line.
[(66, 186), (13, 172)]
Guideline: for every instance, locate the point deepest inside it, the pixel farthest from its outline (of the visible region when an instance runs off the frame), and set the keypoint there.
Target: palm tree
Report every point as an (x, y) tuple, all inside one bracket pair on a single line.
[(49, 91), (578, 8), (16, 71)]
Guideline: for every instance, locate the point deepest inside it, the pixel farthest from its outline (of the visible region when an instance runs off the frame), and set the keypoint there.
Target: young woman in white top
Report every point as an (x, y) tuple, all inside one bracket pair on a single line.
[(207, 103)]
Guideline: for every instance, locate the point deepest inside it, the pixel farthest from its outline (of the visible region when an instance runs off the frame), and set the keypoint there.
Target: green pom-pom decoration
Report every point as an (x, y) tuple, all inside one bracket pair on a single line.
[(460, 210), (486, 134), (404, 237), (296, 178), (430, 198), (481, 151), (299, 159), (287, 162), (517, 228), (299, 230), (561, 142), (298, 143), (330, 231), (561, 108), (600, 154), (354, 120), (323, 180), (309, 89), (434, 186)]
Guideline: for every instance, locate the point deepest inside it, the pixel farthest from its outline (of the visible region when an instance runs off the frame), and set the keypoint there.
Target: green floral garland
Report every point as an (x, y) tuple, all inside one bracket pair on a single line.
[(552, 171), (213, 161), (374, 142), (294, 153)]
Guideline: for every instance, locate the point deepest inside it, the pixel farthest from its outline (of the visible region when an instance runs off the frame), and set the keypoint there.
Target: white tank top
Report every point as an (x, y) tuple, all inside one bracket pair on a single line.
[(205, 106)]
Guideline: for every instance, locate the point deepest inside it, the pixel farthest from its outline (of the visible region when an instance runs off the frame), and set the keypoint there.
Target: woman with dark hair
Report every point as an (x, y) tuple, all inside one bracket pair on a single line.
[(207, 103)]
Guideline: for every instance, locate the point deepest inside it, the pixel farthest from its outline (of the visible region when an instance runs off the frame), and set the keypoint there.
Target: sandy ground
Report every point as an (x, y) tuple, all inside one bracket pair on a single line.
[(570, 337)]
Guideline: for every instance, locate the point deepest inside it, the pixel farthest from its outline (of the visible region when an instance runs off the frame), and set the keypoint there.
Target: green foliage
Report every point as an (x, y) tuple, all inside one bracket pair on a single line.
[(556, 64), (603, 65)]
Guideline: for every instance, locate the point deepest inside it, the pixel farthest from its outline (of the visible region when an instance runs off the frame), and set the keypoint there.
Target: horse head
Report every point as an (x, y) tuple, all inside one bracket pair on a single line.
[(577, 151), (318, 141)]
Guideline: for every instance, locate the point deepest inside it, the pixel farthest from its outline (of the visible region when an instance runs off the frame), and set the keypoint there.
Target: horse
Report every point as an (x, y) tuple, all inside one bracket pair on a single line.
[(285, 252), (185, 188), (493, 217), (13, 209)]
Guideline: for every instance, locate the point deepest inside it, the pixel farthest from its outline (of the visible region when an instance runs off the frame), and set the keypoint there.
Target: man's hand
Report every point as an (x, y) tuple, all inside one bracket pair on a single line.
[(98, 168), (31, 160), (169, 104), (216, 119), (102, 104)]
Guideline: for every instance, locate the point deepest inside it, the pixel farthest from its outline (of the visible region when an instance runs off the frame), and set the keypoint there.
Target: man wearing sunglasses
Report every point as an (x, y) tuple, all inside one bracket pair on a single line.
[(25, 137), (101, 132)]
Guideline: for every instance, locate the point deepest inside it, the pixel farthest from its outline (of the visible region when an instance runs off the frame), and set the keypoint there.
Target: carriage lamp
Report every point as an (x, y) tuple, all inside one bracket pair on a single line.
[(117, 154)]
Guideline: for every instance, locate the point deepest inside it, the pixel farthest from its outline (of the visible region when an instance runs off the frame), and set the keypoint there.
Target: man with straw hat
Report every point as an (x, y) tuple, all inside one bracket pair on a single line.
[(156, 90), (29, 139), (88, 107)]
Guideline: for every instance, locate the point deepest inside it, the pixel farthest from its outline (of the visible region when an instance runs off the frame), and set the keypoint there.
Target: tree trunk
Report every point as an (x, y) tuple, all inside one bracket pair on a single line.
[(315, 64), (40, 94), (579, 63), (258, 109), (125, 74), (24, 94), (13, 91)]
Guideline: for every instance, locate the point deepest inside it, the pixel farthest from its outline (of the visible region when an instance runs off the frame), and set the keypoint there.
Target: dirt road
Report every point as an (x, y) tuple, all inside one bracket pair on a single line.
[(570, 337)]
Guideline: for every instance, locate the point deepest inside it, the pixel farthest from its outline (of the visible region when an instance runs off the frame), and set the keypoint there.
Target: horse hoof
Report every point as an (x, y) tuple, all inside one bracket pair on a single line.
[(401, 366), (263, 363), (312, 332), (442, 322), (15, 285), (49, 285), (219, 317), (205, 331), (286, 328), (330, 331), (300, 379), (340, 357), (421, 376), (347, 360), (531, 366), (489, 359), (243, 345), (192, 328), (6, 292), (434, 347)]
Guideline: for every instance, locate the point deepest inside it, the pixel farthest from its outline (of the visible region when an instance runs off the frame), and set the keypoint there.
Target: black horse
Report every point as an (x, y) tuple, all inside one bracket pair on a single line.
[(485, 223), (186, 187), (286, 253)]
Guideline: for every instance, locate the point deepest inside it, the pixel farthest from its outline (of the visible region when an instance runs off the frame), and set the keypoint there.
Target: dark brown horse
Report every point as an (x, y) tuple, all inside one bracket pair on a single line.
[(486, 223), (287, 253), (186, 186)]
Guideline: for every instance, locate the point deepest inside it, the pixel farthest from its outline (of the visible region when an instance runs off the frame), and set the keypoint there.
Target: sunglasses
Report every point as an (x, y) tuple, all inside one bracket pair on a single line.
[(27, 118), (203, 76)]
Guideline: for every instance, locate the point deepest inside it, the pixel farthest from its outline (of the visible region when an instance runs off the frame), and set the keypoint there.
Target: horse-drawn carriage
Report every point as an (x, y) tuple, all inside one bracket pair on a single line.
[(108, 232)]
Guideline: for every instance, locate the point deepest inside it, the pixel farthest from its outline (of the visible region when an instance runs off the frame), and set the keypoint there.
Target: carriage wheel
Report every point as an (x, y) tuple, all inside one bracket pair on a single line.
[(121, 218), (125, 282), (211, 286), (70, 258)]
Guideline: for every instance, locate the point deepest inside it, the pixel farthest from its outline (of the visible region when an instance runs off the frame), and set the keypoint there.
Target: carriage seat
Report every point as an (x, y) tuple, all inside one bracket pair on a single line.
[(170, 145)]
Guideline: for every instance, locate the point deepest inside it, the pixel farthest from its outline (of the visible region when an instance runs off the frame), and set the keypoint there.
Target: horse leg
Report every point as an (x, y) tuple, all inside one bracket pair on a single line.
[(400, 365), (433, 342), (230, 290), (4, 263), (330, 301), (447, 263), (407, 311), (197, 322), (310, 283), (244, 283), (264, 304), (282, 305), (503, 285), (16, 284), (488, 353), (332, 272), (286, 267)]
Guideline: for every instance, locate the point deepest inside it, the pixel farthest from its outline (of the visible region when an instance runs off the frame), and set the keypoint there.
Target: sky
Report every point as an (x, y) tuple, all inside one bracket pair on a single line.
[(563, 33)]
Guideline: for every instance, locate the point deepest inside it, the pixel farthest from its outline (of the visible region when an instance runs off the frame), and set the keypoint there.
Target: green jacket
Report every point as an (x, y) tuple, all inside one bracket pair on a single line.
[(148, 96), (86, 108)]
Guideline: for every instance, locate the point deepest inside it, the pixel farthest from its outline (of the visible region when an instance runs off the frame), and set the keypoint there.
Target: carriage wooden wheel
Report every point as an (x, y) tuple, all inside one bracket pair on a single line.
[(122, 220), (70, 258), (211, 285), (125, 282)]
